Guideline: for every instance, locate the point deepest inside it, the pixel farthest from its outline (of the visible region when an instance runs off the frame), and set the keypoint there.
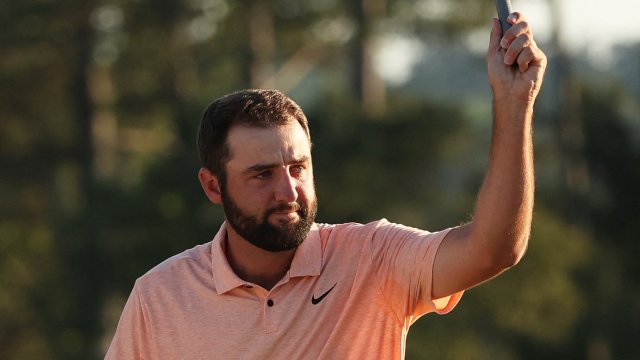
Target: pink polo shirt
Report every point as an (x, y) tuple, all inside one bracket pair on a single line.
[(352, 292)]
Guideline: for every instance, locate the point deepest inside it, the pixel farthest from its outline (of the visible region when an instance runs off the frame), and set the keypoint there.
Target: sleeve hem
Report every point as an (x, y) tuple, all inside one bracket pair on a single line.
[(452, 300), (451, 303)]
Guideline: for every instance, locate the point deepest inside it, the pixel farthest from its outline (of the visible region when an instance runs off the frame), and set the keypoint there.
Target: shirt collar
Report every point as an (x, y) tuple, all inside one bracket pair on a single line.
[(307, 260)]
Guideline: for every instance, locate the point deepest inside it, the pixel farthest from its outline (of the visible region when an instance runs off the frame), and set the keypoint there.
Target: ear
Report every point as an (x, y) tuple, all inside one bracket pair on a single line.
[(210, 185)]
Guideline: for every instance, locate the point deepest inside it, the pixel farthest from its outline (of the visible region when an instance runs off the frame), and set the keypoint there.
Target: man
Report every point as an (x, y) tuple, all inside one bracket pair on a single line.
[(274, 284)]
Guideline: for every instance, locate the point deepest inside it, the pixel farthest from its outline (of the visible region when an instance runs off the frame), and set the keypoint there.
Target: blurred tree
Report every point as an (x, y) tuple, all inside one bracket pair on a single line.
[(46, 155), (614, 160), (433, 19), (101, 101), (368, 86), (261, 43)]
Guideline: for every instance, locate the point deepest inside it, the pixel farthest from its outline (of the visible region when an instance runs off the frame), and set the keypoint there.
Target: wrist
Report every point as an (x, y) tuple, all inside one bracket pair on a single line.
[(513, 103), (525, 97), (511, 112)]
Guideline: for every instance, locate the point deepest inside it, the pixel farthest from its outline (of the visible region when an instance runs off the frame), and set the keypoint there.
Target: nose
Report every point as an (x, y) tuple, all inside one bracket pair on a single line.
[(286, 189)]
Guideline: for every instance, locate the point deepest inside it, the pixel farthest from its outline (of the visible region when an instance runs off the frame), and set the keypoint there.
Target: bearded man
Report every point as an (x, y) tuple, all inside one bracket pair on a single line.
[(274, 284)]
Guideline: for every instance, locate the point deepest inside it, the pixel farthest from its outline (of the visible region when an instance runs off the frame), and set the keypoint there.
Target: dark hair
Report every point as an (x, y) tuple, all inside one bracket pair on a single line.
[(254, 108)]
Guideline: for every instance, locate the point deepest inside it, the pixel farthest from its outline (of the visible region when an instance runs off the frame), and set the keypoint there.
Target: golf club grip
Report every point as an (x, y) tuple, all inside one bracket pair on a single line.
[(504, 9)]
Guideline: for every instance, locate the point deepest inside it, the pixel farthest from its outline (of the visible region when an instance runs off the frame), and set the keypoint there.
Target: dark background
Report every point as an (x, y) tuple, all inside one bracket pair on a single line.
[(100, 102)]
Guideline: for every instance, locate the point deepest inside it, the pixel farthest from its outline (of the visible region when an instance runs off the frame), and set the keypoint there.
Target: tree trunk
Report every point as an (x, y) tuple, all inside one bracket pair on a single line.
[(261, 44), (367, 85)]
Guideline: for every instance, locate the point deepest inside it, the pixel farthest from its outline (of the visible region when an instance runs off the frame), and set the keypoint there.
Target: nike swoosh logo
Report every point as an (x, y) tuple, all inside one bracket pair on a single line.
[(315, 300)]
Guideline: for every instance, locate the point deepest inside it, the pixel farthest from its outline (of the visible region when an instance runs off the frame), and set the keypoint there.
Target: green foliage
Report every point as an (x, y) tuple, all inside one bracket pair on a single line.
[(100, 104), (384, 170), (537, 304)]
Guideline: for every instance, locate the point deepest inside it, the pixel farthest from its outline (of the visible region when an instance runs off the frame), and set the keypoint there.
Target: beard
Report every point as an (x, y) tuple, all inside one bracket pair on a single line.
[(259, 232)]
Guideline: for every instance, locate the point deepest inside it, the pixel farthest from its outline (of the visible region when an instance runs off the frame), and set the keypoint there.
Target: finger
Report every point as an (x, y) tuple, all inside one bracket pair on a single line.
[(525, 58), (495, 36), (531, 56), (519, 26), (515, 17), (521, 42)]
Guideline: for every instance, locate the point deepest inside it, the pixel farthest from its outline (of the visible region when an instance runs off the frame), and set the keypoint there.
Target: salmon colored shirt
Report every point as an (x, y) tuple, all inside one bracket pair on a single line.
[(352, 292)]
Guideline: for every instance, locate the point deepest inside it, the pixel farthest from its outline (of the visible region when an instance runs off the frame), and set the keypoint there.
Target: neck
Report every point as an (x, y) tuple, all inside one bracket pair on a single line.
[(256, 265)]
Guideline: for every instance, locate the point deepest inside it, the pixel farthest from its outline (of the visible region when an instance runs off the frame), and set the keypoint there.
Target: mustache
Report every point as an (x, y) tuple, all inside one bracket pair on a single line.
[(294, 206)]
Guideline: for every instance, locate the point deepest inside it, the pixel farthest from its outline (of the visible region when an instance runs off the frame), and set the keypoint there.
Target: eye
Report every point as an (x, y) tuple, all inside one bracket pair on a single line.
[(263, 174), (297, 170)]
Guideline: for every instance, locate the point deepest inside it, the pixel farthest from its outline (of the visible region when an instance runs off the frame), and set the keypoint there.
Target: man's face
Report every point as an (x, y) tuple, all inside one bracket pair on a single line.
[(269, 197)]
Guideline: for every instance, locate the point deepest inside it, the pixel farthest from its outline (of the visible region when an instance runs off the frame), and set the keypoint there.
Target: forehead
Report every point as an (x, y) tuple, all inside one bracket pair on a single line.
[(274, 145)]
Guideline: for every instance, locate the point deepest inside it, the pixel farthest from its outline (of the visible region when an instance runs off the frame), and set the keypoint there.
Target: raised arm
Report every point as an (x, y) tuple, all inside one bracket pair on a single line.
[(497, 237)]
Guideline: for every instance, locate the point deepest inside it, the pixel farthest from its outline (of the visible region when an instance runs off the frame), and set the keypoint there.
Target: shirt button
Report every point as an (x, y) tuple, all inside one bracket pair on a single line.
[(269, 302)]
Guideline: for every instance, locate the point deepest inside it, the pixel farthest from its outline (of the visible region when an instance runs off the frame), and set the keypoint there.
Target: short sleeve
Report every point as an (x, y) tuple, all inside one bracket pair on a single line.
[(403, 258), (131, 338)]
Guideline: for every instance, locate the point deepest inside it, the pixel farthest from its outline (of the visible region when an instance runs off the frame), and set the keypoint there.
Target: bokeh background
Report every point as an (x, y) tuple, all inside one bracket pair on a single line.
[(100, 101)]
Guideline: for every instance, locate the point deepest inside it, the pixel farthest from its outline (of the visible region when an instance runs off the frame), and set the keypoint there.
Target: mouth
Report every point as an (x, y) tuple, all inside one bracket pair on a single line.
[(284, 217), (286, 214)]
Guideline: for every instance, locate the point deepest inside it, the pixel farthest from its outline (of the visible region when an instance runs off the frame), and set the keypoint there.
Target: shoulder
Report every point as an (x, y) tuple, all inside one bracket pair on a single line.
[(189, 264), (349, 231), (351, 236), (378, 236), (379, 228)]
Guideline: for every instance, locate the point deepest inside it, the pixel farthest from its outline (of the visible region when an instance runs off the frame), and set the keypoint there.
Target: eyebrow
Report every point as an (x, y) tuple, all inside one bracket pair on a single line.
[(262, 167)]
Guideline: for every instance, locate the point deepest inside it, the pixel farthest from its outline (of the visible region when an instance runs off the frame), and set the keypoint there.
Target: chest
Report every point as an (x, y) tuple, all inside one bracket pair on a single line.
[(301, 317)]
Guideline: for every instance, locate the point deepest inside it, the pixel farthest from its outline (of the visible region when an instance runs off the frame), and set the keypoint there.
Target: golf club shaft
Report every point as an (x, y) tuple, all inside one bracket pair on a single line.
[(504, 9)]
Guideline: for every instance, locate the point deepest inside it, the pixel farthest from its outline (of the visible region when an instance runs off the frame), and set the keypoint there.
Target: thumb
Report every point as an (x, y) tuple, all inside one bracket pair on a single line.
[(495, 37)]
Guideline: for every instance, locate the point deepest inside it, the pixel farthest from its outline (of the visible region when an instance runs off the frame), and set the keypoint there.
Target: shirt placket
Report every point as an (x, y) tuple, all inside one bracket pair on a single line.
[(269, 313)]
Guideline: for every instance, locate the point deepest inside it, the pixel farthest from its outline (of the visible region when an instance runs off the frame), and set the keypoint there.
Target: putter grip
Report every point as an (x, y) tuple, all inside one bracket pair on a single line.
[(504, 9)]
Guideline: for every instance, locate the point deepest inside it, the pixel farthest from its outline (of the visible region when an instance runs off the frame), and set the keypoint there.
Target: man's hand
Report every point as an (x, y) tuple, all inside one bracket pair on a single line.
[(515, 63)]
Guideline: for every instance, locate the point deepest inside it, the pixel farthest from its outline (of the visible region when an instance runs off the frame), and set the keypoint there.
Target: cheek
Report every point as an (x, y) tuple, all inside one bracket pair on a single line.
[(248, 198), (308, 190)]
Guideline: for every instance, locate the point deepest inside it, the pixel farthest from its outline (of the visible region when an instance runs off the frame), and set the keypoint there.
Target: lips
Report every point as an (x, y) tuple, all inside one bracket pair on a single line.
[(286, 213), (287, 217), (284, 209)]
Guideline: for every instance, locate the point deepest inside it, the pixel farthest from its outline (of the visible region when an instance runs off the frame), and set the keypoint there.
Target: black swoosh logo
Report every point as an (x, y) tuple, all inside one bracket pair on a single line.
[(315, 301)]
